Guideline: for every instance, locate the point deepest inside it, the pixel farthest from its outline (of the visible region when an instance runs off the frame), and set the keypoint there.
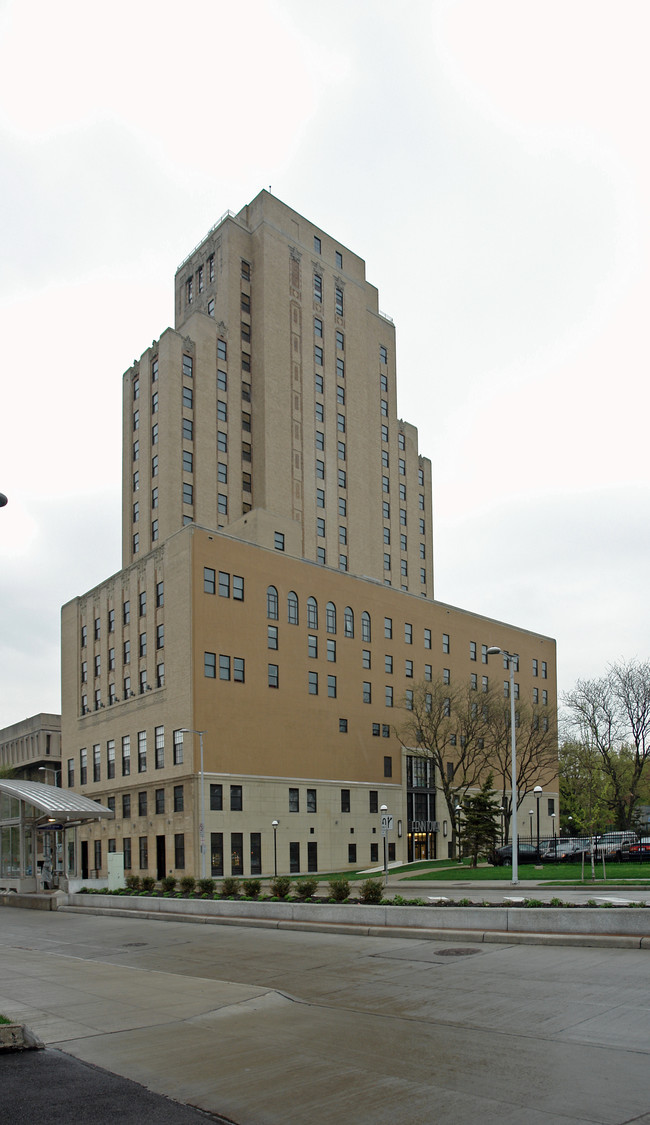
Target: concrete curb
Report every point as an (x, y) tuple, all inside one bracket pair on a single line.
[(19, 1037), (624, 927)]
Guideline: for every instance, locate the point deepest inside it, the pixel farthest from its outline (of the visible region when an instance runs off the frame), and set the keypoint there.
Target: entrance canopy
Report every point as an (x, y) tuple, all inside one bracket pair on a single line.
[(52, 804)]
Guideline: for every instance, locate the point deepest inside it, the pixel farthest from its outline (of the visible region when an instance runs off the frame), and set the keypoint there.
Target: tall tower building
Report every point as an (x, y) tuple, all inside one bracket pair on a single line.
[(272, 408), (253, 658)]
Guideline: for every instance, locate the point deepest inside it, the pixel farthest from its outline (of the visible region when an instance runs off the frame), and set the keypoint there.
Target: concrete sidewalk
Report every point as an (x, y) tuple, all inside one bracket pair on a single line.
[(286, 1028)]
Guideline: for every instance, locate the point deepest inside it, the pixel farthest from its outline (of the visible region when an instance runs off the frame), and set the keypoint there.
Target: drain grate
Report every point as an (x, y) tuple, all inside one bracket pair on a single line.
[(456, 951)]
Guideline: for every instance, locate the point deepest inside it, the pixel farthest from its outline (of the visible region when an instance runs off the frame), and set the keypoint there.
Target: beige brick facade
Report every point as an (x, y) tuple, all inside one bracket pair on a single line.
[(279, 593)]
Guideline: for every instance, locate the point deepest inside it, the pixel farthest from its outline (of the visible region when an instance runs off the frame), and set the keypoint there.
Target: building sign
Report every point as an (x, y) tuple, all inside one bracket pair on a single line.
[(424, 825)]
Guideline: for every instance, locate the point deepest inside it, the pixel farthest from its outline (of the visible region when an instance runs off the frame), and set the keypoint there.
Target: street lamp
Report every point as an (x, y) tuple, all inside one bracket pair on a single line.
[(384, 831), (274, 825), (188, 730), (554, 836), (538, 792), (501, 810), (531, 815), (511, 660), (47, 769)]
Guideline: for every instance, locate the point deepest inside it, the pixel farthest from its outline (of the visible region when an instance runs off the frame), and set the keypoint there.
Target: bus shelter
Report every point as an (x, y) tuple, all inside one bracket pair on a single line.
[(38, 826)]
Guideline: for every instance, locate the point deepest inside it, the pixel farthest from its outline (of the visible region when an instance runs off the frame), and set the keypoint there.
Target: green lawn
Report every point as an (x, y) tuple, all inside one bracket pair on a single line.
[(567, 873)]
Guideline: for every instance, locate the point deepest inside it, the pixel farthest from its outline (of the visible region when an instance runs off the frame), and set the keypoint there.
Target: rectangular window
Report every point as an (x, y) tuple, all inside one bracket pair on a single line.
[(216, 853), (318, 327), (188, 494), (160, 801), (294, 800), (160, 747), (179, 798), (126, 805), (222, 352), (312, 646), (142, 804), (216, 797), (388, 767), (367, 692), (331, 687), (352, 853), (318, 288), (445, 642), (178, 747), (143, 852), (311, 801), (126, 755), (273, 675), (236, 798), (345, 800), (313, 683), (142, 751), (338, 301), (179, 851), (388, 698), (388, 628)]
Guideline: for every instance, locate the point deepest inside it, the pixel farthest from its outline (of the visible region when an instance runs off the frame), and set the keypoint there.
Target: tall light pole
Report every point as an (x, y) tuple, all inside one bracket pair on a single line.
[(538, 792), (188, 730), (511, 660), (384, 831), (531, 815), (274, 825)]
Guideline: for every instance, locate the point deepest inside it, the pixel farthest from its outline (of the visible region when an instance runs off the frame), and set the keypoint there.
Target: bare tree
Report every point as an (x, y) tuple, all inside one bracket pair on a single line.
[(610, 715), (537, 754), (448, 728)]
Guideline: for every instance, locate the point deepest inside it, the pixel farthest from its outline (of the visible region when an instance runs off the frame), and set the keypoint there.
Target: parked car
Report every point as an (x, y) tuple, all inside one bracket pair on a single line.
[(561, 850), (640, 849), (526, 853)]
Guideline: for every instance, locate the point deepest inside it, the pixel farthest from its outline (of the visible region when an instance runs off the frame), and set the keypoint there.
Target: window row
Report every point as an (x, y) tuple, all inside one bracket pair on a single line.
[(143, 852), (126, 614), (222, 583), (105, 759), (229, 667)]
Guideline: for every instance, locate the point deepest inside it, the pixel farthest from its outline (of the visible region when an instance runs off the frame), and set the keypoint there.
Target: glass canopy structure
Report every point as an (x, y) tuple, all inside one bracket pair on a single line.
[(29, 810)]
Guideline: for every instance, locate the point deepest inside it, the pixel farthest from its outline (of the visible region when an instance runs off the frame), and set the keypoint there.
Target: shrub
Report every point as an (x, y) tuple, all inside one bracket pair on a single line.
[(252, 887), (340, 889), (147, 883), (187, 884), (305, 888), (230, 886), (206, 886), (533, 902), (371, 890), (169, 883), (556, 902), (133, 882), (280, 886)]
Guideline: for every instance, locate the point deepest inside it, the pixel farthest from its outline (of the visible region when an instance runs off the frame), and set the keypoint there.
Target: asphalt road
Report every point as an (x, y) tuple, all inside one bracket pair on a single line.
[(268, 1027)]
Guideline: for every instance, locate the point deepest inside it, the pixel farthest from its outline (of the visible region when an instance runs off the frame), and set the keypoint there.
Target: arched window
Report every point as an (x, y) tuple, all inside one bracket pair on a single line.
[(331, 617), (312, 613), (272, 603), (365, 627), (348, 621), (292, 608)]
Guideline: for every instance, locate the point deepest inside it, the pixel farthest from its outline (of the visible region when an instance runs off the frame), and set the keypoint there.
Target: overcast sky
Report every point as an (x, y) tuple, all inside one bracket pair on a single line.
[(488, 159)]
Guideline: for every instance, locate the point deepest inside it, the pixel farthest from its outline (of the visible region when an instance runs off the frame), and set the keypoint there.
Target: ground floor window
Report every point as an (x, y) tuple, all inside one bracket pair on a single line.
[(216, 853), (256, 853), (294, 857), (312, 856), (236, 853), (179, 851)]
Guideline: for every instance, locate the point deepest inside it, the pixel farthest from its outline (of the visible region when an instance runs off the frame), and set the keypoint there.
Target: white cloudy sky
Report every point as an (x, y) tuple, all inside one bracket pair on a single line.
[(488, 159)]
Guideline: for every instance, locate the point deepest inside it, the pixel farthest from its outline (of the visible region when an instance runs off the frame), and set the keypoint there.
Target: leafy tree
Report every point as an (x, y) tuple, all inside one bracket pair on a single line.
[(611, 717), (583, 789), (481, 823)]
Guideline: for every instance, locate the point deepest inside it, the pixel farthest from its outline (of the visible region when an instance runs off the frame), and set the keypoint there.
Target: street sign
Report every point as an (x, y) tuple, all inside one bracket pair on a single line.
[(387, 822)]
